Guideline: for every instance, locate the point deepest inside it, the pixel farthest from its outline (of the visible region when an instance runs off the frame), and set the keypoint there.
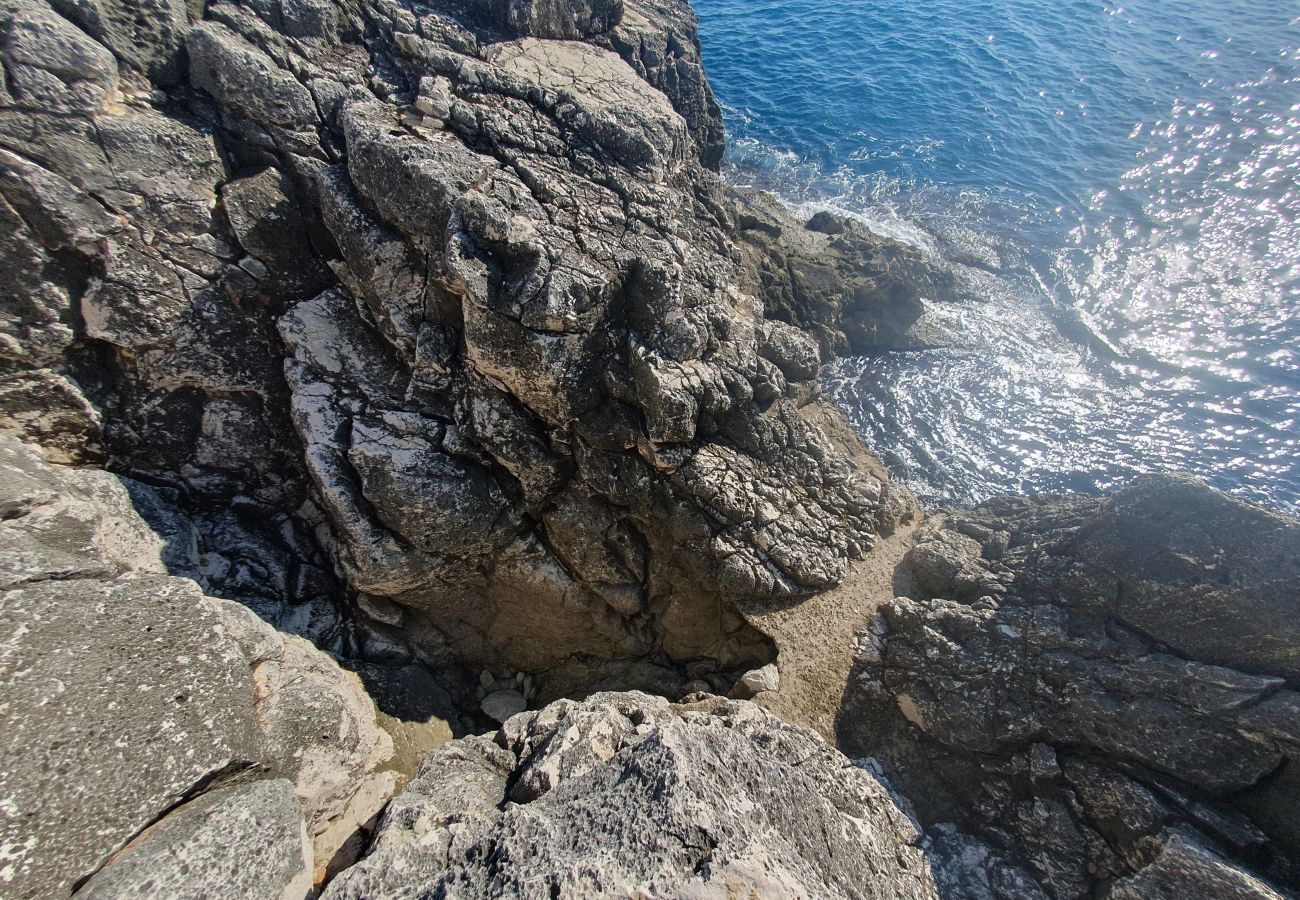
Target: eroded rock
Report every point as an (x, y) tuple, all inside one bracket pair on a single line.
[(630, 794), (129, 695), (242, 841), (1089, 690)]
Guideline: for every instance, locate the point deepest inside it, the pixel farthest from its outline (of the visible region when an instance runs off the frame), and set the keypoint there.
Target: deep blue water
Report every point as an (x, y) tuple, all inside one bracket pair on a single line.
[(1123, 178)]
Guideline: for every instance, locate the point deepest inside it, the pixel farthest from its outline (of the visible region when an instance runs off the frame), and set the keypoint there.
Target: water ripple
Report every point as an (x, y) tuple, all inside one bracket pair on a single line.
[(1130, 175)]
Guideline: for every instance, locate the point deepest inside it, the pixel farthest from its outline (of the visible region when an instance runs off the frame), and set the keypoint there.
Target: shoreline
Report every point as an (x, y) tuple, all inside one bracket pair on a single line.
[(390, 372)]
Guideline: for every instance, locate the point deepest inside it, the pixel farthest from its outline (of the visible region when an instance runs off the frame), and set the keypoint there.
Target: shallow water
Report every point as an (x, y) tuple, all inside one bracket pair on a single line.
[(1127, 175)]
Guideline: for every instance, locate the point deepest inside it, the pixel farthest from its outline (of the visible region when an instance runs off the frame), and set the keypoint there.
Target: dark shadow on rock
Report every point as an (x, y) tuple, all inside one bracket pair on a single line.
[(408, 693), (1094, 693)]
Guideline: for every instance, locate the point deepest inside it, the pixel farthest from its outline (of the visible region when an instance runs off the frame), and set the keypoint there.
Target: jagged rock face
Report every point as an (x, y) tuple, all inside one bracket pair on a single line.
[(846, 288), (241, 841), (629, 795), (128, 696), (1100, 689), (435, 304)]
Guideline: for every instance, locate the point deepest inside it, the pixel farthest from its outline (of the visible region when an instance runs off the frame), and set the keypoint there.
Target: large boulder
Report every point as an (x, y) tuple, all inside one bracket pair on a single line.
[(1099, 688), (242, 841), (105, 678), (627, 794), (128, 695)]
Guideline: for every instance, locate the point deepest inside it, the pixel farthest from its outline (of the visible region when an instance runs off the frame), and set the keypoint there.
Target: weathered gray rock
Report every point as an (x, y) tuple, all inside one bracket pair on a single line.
[(1087, 674), (563, 19), (849, 289), (235, 842), (128, 693), (51, 65), (246, 80), (442, 305), (1213, 578), (144, 35), (501, 705), (63, 523), (476, 370), (455, 274), (629, 794), (102, 679), (659, 39), (45, 408), (319, 730), (756, 681), (1185, 868)]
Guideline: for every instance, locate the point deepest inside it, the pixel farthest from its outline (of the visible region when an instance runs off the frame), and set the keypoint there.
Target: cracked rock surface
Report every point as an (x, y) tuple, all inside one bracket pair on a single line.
[(625, 794), (129, 697), (1100, 691), (435, 308), (426, 337)]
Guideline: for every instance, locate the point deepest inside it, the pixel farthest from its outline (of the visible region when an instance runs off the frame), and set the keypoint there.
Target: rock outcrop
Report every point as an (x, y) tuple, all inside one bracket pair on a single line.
[(850, 290), (425, 336), (242, 841), (434, 310), (630, 795), (142, 720), (1102, 691)]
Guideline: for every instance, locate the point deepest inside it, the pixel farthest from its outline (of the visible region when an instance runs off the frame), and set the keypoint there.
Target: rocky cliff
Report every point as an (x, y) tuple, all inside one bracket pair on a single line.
[(1101, 692), (434, 313), (426, 339)]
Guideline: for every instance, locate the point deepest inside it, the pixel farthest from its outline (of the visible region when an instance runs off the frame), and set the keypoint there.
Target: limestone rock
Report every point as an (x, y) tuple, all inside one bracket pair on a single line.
[(1213, 578), (1183, 868), (659, 39), (319, 730), (628, 794), (45, 408), (144, 35), (454, 274), (501, 705), (1059, 692), (114, 669), (850, 289), (52, 65), (756, 681), (102, 679), (245, 79), (63, 523), (242, 841), (566, 19)]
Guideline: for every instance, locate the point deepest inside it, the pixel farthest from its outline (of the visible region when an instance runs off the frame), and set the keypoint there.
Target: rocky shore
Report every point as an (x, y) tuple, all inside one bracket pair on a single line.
[(416, 483)]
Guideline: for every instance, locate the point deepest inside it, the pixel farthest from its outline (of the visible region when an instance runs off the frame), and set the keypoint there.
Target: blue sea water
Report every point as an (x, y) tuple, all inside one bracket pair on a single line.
[(1124, 178)]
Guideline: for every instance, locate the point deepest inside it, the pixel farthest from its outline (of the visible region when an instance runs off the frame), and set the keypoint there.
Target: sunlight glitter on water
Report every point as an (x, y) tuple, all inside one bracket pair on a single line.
[(1147, 297)]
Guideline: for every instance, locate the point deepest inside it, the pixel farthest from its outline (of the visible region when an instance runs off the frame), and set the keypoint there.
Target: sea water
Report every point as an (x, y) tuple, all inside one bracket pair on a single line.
[(1125, 179)]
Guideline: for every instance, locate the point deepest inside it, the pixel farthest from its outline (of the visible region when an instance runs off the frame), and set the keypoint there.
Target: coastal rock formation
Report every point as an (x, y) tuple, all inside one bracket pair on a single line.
[(630, 795), (241, 841), (130, 697), (847, 288), (431, 320), (1102, 691), (425, 336)]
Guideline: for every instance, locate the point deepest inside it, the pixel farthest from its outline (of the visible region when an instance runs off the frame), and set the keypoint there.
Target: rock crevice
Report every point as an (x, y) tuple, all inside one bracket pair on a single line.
[(426, 337)]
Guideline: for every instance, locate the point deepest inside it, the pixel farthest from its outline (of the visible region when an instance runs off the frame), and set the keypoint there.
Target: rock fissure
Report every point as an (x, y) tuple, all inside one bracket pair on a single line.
[(429, 334)]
